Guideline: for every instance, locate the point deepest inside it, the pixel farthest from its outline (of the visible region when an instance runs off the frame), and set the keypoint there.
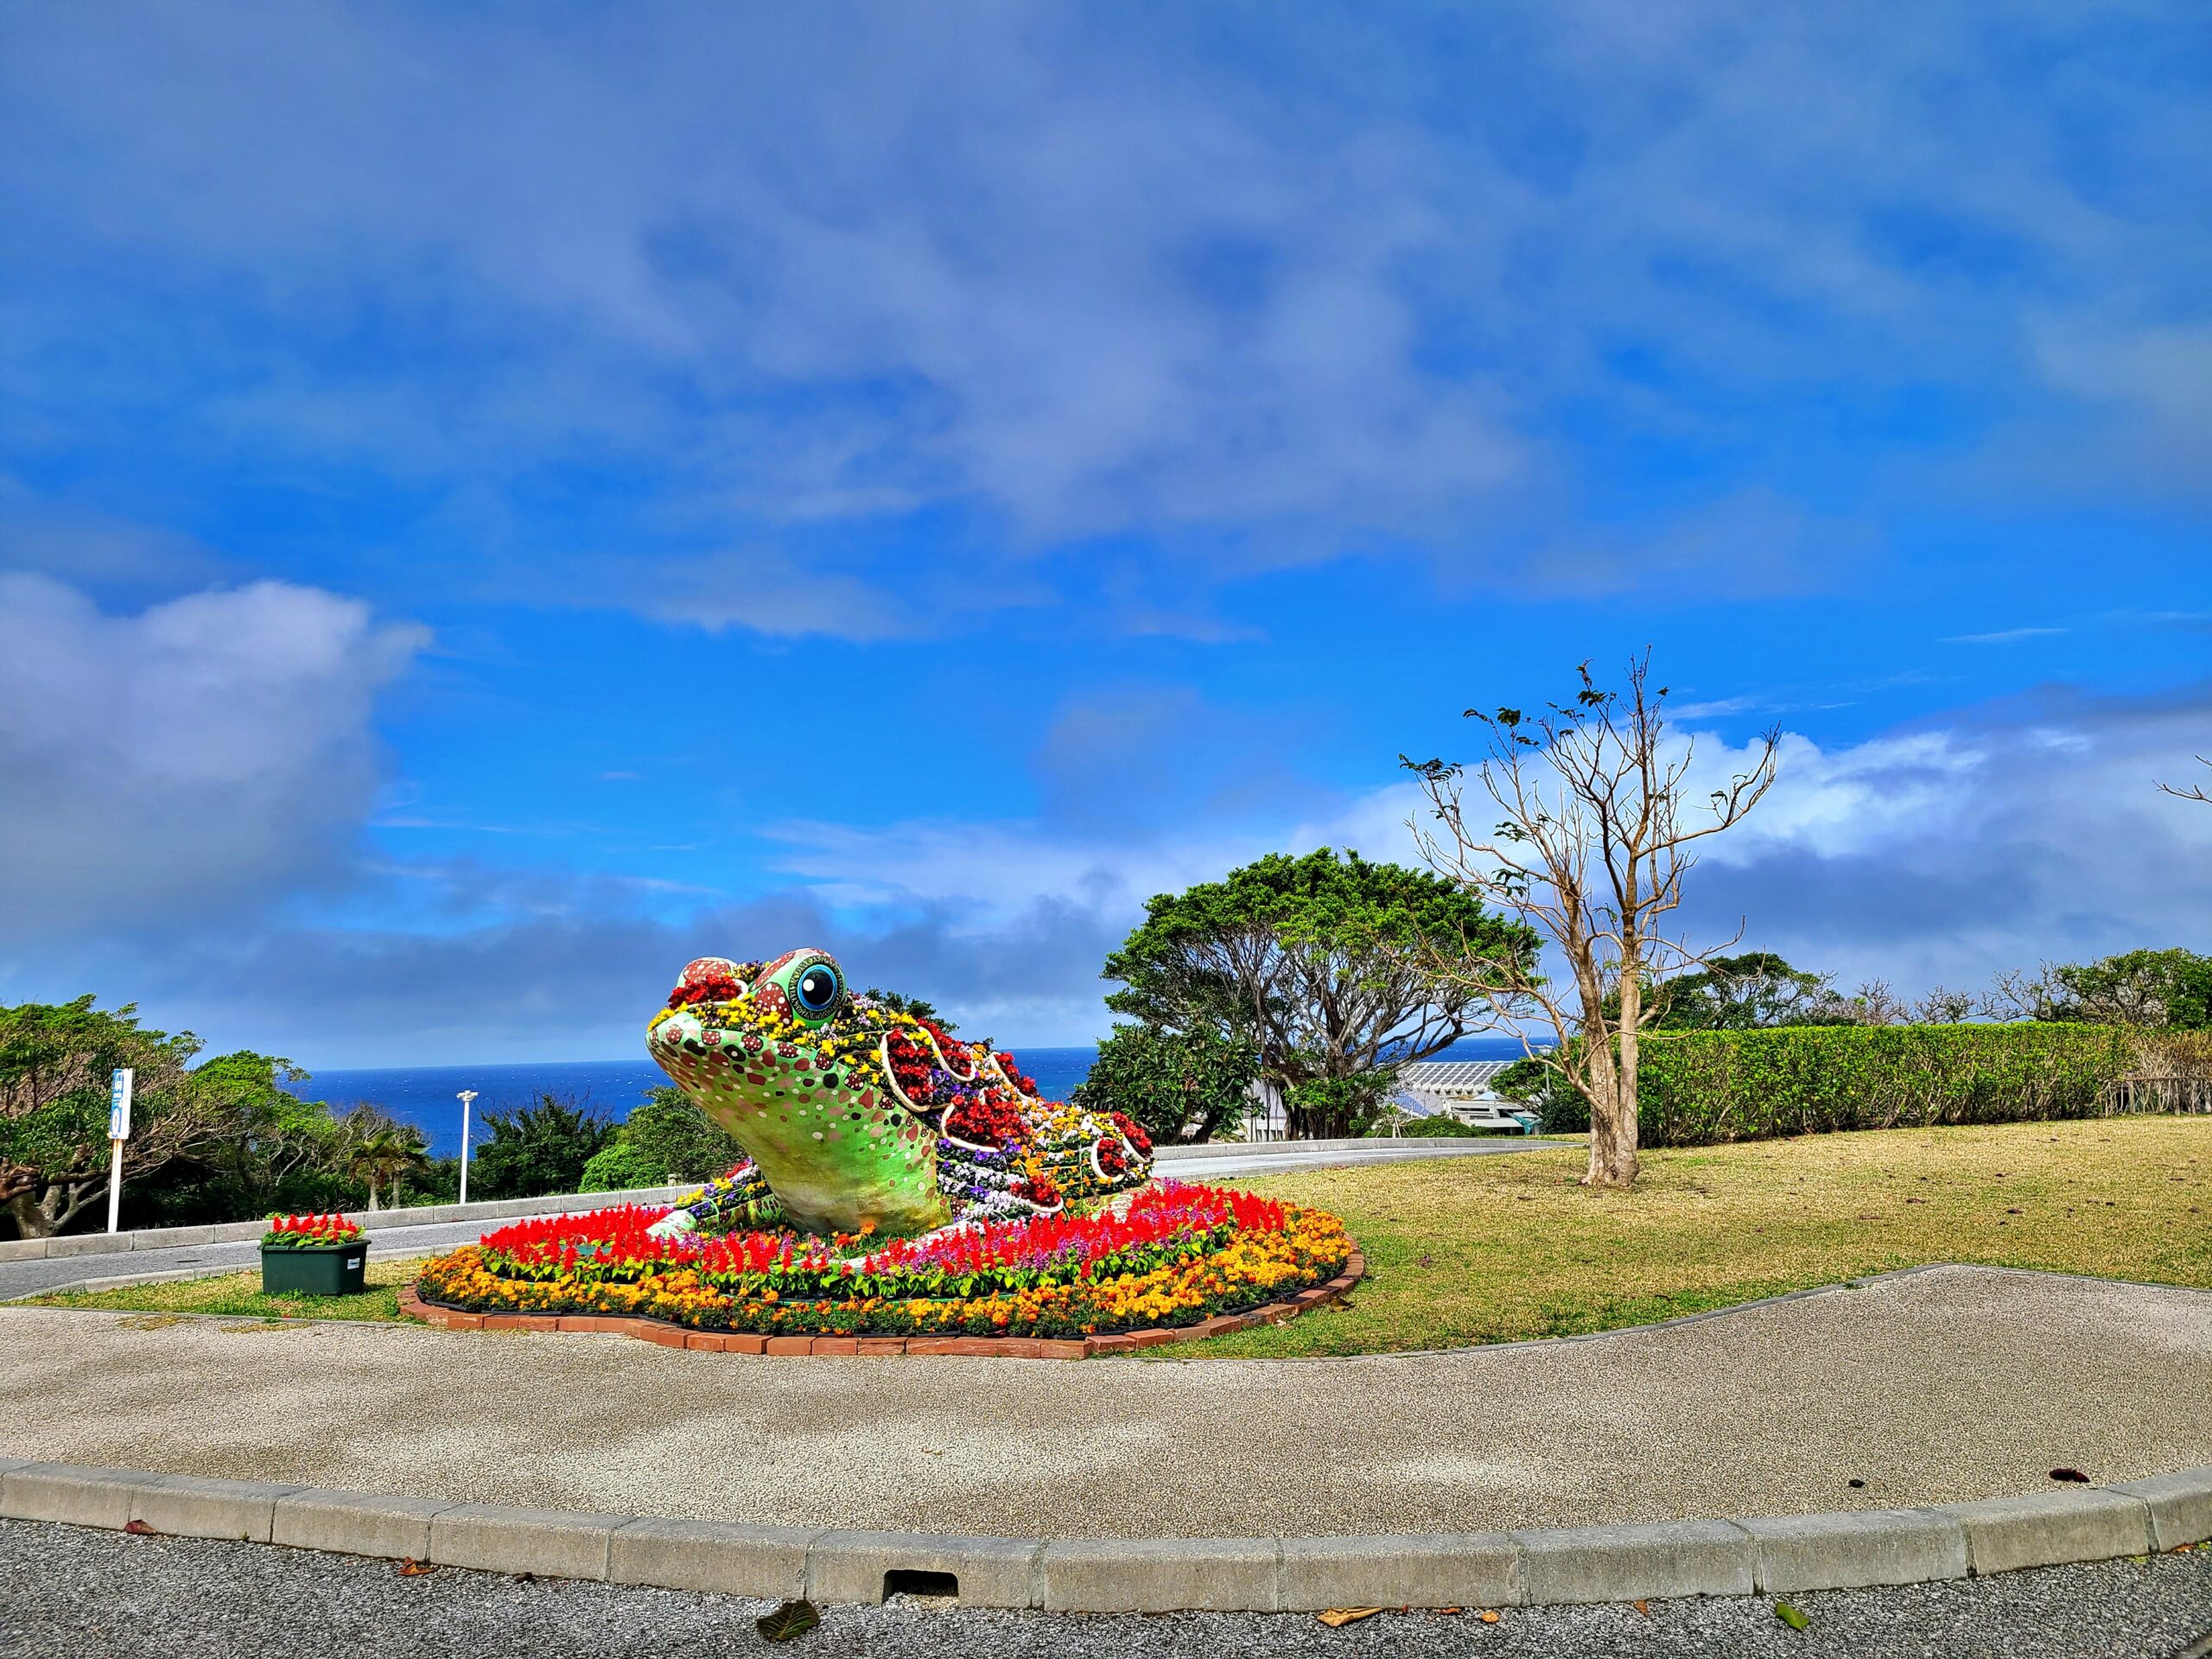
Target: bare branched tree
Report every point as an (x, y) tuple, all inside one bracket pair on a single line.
[(1942, 1005), (2193, 794), (1595, 840)]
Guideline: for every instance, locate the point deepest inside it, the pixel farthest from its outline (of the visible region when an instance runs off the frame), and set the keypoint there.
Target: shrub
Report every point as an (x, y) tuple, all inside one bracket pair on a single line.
[(1325, 1108), (669, 1134), (1697, 1088), (1559, 1106), (620, 1168), (669, 1130), (1178, 1087), (540, 1148), (1435, 1127)]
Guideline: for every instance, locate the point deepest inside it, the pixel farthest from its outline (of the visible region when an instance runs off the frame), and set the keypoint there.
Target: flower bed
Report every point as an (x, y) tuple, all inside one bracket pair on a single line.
[(310, 1233), (1177, 1256)]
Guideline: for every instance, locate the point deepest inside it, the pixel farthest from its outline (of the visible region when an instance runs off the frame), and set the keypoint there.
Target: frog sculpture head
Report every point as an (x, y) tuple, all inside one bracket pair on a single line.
[(853, 1112)]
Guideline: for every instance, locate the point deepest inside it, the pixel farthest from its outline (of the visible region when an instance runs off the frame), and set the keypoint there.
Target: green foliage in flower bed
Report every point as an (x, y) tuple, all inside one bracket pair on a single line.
[(1698, 1088)]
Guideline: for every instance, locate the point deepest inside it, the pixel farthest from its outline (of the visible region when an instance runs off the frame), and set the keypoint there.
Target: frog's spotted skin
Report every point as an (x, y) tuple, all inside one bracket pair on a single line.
[(808, 1080)]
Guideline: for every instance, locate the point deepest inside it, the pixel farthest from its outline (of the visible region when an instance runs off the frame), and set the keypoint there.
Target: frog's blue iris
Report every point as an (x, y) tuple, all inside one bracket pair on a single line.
[(817, 988)]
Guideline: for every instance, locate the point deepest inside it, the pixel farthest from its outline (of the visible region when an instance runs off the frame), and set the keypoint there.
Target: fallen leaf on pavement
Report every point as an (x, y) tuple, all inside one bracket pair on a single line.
[(1490, 1615), (1337, 1617), (411, 1568), (1790, 1616), (140, 1528), (2069, 1474), (1644, 1607), (788, 1622)]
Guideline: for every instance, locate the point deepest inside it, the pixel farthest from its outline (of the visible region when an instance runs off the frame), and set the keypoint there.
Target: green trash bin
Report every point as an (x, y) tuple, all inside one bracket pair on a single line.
[(314, 1269)]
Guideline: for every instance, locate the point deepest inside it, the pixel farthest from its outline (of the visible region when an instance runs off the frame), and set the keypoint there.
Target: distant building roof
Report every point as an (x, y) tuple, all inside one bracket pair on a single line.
[(1464, 1078)]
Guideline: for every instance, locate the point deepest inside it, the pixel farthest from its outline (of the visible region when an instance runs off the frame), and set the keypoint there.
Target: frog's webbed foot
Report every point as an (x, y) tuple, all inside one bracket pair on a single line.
[(739, 1198)]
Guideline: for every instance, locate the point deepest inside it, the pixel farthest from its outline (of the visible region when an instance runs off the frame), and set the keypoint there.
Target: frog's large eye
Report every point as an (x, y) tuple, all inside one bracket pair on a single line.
[(817, 990)]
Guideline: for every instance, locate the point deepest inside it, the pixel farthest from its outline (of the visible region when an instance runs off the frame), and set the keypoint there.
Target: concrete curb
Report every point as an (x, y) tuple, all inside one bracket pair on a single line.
[(1769, 1556), (391, 1221), (1356, 1143), (667, 1334)]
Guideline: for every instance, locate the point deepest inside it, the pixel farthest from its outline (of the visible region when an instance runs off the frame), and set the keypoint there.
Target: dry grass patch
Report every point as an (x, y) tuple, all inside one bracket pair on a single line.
[(1466, 1251), (240, 1293)]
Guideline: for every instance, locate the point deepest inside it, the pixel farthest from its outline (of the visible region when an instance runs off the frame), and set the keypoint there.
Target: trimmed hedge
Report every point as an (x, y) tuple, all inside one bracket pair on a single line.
[(1698, 1088)]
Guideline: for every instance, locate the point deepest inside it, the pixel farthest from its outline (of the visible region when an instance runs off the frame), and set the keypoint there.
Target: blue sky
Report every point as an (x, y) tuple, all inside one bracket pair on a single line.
[(496, 501)]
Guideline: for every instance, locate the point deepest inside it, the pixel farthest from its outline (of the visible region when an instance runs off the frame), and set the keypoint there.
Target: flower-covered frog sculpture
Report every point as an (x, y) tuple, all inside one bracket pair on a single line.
[(853, 1114)]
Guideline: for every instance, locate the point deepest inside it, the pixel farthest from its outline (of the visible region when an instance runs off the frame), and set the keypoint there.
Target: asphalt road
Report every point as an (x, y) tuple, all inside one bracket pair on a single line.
[(69, 1592), (394, 1238)]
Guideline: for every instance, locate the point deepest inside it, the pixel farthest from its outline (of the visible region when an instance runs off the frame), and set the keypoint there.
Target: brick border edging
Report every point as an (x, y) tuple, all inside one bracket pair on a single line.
[(667, 1334), (1535, 1567)]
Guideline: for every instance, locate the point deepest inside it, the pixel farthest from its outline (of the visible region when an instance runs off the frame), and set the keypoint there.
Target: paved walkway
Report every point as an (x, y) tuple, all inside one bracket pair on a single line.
[(1936, 1387), (396, 1238)]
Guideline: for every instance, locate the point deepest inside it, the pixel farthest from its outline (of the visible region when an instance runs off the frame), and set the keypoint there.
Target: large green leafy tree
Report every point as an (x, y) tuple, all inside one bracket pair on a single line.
[(1181, 1085), (264, 1149), (56, 1062), (1324, 965), (1752, 990), (2159, 990), (539, 1148)]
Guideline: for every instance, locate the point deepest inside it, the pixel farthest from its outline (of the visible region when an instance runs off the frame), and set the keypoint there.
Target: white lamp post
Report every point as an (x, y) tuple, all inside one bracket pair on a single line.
[(119, 1131), (464, 1097)]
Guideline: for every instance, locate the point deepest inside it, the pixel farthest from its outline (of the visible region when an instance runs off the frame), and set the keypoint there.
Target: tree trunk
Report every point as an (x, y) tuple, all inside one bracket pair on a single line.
[(64, 1203), (30, 1221), (1612, 1117)]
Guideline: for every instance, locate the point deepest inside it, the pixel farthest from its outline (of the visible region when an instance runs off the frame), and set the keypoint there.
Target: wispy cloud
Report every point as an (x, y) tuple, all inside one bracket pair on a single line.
[(1714, 709), (2002, 637), (766, 591)]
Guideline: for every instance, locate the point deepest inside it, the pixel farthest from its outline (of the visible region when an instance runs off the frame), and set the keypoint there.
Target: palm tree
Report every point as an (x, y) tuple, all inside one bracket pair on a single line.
[(381, 1152)]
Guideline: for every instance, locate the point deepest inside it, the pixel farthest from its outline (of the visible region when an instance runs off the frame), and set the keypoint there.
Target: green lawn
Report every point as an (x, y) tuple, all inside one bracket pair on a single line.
[(240, 1293), (1463, 1250)]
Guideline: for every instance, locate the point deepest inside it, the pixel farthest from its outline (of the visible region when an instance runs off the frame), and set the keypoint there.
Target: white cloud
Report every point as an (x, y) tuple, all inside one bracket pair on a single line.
[(198, 761), (1942, 855)]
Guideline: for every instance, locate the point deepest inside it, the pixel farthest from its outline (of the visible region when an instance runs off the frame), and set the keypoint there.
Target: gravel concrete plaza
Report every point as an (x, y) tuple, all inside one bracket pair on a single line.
[(1934, 1386)]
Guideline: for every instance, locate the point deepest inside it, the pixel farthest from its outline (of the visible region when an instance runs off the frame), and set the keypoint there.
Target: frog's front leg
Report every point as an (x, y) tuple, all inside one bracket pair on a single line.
[(741, 1198)]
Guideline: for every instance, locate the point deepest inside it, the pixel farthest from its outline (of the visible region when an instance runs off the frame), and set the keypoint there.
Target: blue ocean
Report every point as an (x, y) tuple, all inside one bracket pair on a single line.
[(426, 1096)]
